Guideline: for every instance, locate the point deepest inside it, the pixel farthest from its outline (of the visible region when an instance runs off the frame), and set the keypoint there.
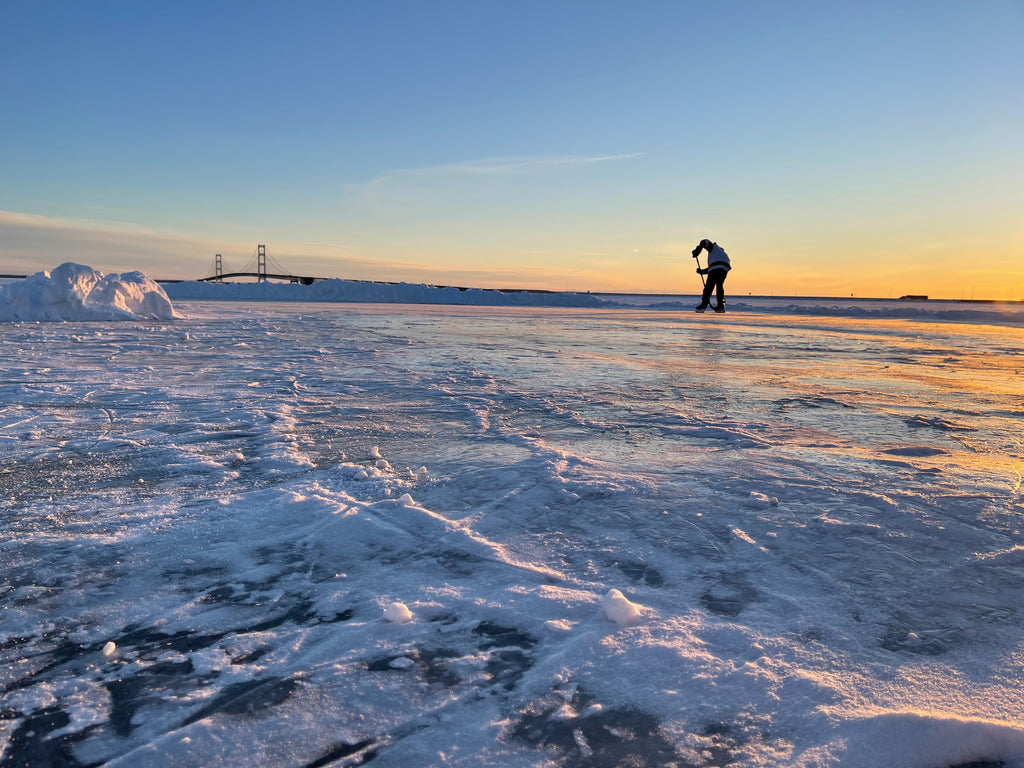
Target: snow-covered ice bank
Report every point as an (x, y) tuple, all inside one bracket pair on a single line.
[(79, 293), (1005, 313), (336, 290), (425, 536)]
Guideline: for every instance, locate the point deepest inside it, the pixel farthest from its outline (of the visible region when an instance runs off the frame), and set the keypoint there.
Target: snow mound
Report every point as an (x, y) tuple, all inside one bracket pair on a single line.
[(75, 292)]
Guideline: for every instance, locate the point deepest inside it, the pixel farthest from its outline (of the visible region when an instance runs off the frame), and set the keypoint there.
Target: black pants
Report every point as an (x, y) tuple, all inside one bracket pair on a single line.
[(716, 280)]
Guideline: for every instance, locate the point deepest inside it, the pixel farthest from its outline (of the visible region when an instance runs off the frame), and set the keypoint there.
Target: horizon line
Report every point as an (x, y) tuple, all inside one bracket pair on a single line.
[(696, 294)]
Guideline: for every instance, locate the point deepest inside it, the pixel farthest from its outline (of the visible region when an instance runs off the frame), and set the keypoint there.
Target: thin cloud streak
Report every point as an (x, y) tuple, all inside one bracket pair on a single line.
[(496, 166), (389, 190), (499, 166)]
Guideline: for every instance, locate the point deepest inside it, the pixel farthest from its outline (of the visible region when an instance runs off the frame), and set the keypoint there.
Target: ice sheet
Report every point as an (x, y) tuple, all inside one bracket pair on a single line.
[(210, 527)]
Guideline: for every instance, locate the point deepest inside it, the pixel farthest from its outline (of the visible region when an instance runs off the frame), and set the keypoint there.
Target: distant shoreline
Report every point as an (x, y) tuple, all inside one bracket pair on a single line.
[(761, 296)]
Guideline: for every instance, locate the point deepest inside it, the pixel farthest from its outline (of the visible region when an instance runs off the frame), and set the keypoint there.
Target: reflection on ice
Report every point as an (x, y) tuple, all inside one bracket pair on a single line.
[(316, 535)]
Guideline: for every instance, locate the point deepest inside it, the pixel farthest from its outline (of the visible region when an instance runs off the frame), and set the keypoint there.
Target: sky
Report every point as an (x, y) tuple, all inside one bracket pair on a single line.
[(831, 148)]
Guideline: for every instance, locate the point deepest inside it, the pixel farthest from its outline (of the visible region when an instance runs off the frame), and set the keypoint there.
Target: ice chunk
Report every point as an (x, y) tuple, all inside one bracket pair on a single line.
[(398, 613), (618, 609)]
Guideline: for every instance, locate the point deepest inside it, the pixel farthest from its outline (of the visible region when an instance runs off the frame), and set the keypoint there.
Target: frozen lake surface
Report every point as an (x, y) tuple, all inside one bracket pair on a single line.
[(310, 535)]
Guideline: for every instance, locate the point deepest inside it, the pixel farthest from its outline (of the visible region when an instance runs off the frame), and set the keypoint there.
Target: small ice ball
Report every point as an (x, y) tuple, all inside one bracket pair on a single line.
[(406, 500), (398, 613), (383, 464), (618, 609), (109, 649), (375, 453)]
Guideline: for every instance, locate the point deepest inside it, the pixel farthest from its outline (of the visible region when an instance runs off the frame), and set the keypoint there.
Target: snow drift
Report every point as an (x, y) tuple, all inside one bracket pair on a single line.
[(81, 293)]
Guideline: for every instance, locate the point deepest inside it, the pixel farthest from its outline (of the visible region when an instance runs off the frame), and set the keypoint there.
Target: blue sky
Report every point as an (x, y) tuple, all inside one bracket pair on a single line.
[(871, 148)]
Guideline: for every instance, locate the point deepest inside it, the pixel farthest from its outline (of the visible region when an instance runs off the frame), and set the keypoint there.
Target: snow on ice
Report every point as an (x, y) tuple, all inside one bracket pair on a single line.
[(386, 534)]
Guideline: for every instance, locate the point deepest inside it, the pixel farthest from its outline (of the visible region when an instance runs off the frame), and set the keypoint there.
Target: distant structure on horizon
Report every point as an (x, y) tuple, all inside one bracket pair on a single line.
[(914, 297), (260, 273)]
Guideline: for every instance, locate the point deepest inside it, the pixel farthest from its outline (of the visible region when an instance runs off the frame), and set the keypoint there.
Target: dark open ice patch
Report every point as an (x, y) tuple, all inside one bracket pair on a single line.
[(61, 652), (432, 664), (356, 753), (640, 573), (30, 743), (297, 609), (455, 562), (510, 655), (508, 659), (919, 451), (923, 422), (729, 596), (926, 642), (248, 698), (810, 401), (582, 735), (149, 687), (923, 472)]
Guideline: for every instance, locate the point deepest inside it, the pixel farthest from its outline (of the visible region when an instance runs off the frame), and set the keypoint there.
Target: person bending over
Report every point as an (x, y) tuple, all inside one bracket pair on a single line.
[(718, 267)]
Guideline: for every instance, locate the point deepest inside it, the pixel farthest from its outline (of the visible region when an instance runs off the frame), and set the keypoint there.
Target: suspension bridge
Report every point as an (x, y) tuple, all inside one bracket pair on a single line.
[(259, 266)]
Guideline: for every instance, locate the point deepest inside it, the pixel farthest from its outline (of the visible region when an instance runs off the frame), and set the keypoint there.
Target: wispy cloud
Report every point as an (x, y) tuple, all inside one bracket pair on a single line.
[(32, 220), (497, 166), (398, 187)]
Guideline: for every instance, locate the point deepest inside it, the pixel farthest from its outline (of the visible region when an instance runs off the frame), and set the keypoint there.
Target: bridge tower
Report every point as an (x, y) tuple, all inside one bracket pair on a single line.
[(261, 264), (218, 267)]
